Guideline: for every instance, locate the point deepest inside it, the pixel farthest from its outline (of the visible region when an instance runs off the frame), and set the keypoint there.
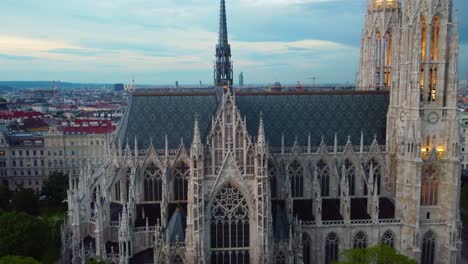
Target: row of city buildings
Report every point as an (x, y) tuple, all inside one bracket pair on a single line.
[(27, 158), (43, 131)]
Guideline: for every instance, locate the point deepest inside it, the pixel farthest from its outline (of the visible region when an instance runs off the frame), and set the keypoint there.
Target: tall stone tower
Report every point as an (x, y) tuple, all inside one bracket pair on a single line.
[(422, 133), (380, 37), (223, 74)]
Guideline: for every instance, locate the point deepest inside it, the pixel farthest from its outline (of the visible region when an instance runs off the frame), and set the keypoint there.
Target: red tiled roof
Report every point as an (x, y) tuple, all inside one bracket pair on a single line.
[(89, 130), (19, 114)]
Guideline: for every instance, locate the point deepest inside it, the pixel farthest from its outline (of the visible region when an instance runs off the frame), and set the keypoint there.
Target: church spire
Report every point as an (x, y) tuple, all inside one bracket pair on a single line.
[(223, 66), (223, 35)]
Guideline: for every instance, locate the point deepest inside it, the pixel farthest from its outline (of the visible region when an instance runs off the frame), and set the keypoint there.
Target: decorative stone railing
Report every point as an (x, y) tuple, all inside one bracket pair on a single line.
[(333, 222), (362, 222), (389, 221), (353, 222)]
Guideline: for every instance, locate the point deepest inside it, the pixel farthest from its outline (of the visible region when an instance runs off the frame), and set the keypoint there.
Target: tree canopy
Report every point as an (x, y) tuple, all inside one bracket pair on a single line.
[(18, 260), (22, 234), (379, 254), (55, 188), (25, 200)]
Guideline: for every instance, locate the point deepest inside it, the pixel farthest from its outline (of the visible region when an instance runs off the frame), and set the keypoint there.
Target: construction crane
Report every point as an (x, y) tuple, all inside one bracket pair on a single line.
[(313, 80)]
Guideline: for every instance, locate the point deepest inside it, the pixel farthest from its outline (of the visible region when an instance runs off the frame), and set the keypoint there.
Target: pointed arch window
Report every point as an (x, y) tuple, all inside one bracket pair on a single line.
[(229, 226), (228, 112), (435, 38), (239, 137), (331, 248), (429, 186), (388, 238), (181, 176), (306, 249), (378, 58), (296, 175), (423, 38), (351, 174), (428, 248), (423, 56), (388, 59), (272, 174), (250, 162), (152, 184), (218, 138), (360, 240), (324, 176)]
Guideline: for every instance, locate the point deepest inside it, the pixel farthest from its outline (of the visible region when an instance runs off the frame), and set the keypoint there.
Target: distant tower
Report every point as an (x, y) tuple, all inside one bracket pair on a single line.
[(380, 37), (241, 79), (223, 66), (177, 84)]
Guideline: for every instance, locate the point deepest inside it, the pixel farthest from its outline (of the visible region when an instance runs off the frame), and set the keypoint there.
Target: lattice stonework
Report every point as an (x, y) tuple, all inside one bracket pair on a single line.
[(229, 222), (152, 183), (181, 176)]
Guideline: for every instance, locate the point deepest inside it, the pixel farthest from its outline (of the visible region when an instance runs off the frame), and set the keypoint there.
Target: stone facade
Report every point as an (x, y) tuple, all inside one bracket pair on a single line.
[(271, 178)]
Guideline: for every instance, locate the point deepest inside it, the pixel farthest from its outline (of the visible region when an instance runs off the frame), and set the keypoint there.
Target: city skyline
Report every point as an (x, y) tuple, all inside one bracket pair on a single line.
[(159, 43)]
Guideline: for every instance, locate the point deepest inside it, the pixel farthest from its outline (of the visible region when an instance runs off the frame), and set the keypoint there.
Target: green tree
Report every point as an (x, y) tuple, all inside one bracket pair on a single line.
[(5, 197), (26, 201), (55, 188), (22, 235), (18, 260), (3, 100), (379, 254)]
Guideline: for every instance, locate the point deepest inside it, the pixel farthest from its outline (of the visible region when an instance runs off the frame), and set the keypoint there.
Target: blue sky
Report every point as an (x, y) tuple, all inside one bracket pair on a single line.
[(161, 41)]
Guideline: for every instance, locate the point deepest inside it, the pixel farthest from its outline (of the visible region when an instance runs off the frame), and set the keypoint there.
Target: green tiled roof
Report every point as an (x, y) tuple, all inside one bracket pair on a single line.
[(151, 116)]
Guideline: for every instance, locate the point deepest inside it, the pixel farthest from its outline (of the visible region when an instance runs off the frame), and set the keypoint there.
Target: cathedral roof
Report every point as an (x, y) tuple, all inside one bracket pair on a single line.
[(293, 114)]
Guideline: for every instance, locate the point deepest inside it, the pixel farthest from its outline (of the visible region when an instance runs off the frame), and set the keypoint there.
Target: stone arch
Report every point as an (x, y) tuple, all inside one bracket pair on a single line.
[(388, 238), (324, 177), (296, 177), (180, 179), (360, 240), (306, 248), (428, 248), (152, 183), (331, 248), (229, 210)]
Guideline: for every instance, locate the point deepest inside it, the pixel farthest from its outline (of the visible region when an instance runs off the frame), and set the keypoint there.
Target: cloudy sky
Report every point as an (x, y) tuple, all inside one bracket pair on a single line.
[(160, 41)]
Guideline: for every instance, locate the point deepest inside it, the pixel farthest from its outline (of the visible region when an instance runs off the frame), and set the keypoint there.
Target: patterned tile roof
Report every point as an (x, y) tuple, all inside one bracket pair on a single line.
[(152, 116), (320, 114)]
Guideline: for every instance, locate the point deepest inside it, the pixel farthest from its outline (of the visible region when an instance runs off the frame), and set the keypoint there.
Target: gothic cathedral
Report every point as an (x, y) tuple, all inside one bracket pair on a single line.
[(229, 176)]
